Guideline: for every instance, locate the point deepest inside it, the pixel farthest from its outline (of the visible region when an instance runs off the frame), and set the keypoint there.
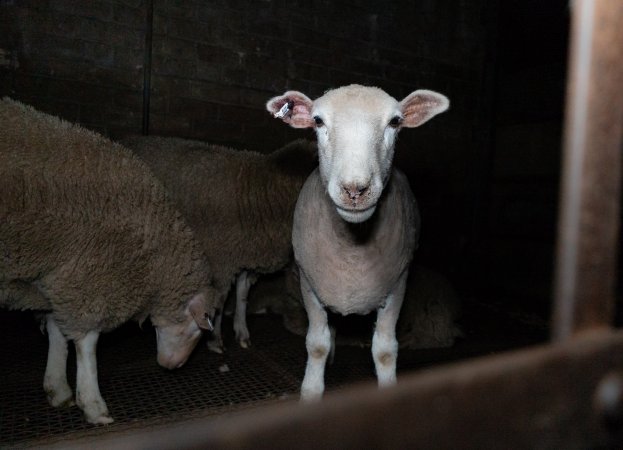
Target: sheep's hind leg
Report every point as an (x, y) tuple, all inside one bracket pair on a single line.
[(384, 343), (55, 379), (88, 395), (318, 343), (244, 281)]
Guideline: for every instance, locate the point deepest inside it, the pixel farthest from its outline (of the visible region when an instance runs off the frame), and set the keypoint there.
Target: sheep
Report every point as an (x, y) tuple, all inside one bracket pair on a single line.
[(240, 205), (430, 311), (88, 236), (356, 222)]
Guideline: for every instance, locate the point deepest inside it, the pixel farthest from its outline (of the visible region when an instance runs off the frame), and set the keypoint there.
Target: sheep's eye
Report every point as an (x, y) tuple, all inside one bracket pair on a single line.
[(395, 122), (318, 121)]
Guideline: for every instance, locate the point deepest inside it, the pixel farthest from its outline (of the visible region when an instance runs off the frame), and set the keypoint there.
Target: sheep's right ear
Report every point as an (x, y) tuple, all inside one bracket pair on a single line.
[(294, 108), (197, 308)]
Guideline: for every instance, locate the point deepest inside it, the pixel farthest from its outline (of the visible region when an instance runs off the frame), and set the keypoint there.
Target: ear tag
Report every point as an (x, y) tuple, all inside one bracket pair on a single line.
[(285, 109)]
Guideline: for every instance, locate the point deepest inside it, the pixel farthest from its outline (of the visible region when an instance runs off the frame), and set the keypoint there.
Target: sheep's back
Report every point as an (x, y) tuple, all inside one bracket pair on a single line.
[(83, 220), (239, 203)]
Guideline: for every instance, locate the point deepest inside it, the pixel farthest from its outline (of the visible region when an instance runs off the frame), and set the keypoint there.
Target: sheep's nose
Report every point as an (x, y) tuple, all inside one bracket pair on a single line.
[(355, 190)]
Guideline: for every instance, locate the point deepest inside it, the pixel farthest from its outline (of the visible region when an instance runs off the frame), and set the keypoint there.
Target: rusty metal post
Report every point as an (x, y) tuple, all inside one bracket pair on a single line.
[(590, 196)]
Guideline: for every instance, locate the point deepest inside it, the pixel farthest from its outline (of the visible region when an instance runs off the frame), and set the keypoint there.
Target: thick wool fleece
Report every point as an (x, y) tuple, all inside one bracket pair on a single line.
[(86, 231), (239, 203)]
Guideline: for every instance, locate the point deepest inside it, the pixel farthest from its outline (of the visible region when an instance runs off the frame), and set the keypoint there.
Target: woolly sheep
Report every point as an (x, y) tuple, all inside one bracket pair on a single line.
[(240, 205), (88, 236), (356, 222), (430, 311)]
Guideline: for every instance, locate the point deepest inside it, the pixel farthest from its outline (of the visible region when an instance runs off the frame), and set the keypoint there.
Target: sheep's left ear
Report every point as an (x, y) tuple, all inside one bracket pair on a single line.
[(197, 308), (420, 106)]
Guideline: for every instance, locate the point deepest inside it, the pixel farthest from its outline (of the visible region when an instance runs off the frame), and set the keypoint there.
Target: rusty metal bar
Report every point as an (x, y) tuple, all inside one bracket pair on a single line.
[(565, 395), (590, 195)]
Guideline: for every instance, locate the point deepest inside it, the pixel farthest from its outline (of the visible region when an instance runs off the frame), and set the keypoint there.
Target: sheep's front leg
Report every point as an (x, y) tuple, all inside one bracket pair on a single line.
[(55, 379), (244, 281), (88, 395), (318, 343), (215, 344), (384, 343)]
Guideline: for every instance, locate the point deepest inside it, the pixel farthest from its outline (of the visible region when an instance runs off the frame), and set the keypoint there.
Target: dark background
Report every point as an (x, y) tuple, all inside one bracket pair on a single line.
[(486, 173)]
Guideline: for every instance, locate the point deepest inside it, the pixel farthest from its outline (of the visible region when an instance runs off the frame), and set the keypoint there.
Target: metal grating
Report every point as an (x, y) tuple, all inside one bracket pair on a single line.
[(140, 394), (135, 388)]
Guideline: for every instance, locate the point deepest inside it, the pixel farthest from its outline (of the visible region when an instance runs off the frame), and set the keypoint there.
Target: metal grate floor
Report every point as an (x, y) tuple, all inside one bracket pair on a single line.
[(139, 393)]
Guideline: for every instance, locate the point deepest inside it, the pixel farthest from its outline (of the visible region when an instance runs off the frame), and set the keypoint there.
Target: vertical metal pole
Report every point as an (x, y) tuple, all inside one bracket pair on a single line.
[(587, 245), (149, 22)]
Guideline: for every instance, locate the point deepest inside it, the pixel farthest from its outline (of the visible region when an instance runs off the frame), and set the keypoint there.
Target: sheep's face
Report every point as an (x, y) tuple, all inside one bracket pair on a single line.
[(177, 339), (356, 128)]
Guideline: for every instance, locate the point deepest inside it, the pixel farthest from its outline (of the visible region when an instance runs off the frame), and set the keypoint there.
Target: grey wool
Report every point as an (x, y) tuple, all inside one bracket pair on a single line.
[(84, 222), (240, 204)]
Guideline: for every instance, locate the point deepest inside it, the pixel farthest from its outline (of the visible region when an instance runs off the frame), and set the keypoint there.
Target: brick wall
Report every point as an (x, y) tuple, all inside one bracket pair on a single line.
[(215, 63), (79, 60)]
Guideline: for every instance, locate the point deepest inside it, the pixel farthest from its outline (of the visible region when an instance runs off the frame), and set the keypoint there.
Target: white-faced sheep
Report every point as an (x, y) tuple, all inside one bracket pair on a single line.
[(88, 236), (356, 222), (240, 205)]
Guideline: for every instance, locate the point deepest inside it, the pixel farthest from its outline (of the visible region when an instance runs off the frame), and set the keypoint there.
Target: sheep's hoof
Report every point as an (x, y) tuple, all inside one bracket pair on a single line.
[(104, 419), (97, 414), (242, 336), (67, 403), (95, 410), (310, 395), (62, 398), (216, 346)]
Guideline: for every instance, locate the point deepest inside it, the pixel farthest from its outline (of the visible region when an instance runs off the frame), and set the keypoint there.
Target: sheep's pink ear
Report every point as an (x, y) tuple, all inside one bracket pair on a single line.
[(197, 308), (420, 106), (293, 107)]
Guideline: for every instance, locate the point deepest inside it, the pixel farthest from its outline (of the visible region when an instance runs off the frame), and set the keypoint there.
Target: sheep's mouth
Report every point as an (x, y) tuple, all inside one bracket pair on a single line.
[(355, 215), (355, 209), (171, 362)]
